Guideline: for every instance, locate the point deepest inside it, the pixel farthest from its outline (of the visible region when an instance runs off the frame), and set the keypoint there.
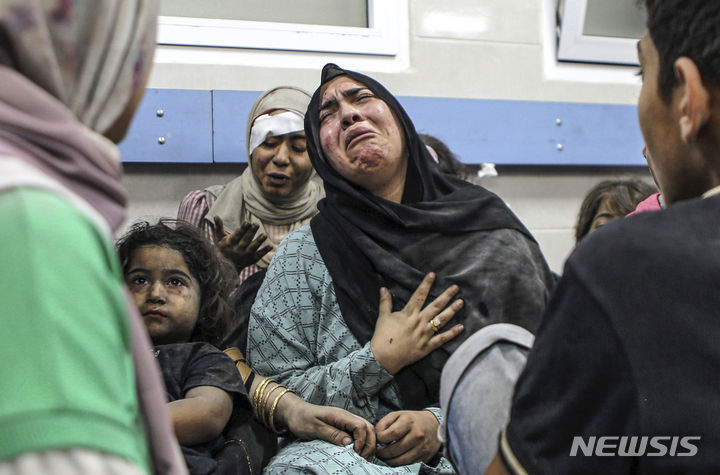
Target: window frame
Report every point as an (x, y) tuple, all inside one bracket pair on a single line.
[(381, 38), (573, 45)]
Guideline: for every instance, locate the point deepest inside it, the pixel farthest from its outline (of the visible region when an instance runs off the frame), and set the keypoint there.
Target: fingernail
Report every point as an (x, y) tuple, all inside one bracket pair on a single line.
[(346, 441), (459, 303), (431, 275), (383, 291)]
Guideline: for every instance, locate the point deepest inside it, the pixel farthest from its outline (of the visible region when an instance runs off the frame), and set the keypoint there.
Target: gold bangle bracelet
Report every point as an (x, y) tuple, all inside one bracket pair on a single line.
[(265, 400), (257, 396), (258, 407), (274, 407)]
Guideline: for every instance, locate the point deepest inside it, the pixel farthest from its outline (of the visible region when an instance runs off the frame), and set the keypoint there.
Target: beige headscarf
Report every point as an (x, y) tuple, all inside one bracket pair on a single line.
[(68, 69), (243, 198)]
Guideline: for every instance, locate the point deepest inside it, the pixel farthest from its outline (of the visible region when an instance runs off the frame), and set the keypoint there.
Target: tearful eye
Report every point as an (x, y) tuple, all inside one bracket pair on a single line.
[(138, 280), (176, 283)]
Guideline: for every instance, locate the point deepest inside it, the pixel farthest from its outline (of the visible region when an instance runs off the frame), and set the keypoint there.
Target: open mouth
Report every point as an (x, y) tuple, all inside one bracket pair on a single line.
[(278, 179), (356, 135)]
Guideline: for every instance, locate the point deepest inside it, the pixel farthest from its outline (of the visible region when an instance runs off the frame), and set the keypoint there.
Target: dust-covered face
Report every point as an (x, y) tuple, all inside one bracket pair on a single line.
[(361, 136), (165, 292)]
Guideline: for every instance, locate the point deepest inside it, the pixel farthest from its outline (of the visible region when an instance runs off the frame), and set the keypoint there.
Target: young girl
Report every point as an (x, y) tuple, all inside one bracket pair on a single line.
[(178, 285)]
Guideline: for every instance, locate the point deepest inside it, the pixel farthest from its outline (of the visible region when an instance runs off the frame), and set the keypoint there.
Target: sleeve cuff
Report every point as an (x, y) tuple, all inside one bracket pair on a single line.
[(367, 375), (437, 412)]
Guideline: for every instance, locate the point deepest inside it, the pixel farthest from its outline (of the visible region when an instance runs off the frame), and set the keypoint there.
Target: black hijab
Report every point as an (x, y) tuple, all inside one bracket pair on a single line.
[(444, 225)]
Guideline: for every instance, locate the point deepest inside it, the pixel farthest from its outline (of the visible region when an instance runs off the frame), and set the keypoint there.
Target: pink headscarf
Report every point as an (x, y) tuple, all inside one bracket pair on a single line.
[(651, 203), (68, 69)]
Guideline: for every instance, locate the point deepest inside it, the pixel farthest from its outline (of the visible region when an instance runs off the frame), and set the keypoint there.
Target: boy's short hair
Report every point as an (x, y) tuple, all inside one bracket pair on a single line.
[(685, 28)]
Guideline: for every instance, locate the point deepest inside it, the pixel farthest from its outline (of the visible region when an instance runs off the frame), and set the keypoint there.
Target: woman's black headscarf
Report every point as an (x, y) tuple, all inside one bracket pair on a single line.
[(444, 225)]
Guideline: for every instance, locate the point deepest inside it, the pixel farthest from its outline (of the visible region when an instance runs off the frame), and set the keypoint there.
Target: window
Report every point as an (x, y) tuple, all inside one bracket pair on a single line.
[(334, 13), (599, 31), (367, 27)]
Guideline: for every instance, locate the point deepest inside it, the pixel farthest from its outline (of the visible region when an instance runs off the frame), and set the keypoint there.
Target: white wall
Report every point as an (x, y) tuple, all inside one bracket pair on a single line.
[(494, 49), (546, 199)]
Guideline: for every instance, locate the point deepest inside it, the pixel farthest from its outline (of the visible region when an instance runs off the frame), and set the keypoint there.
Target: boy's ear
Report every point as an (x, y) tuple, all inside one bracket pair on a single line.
[(694, 99)]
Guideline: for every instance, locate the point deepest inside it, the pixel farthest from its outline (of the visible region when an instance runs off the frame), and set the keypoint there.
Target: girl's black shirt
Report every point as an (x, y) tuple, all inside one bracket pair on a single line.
[(188, 365)]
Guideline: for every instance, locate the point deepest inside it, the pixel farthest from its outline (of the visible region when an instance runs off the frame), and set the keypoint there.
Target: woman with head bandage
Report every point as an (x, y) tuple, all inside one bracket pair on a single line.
[(275, 194)]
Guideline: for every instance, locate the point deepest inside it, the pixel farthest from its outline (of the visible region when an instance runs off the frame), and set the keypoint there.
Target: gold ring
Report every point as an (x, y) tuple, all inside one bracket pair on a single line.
[(435, 324)]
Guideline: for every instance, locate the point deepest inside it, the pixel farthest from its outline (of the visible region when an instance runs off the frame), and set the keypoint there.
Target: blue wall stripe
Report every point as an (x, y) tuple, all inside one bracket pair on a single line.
[(206, 126), (185, 128), (527, 133), (230, 112)]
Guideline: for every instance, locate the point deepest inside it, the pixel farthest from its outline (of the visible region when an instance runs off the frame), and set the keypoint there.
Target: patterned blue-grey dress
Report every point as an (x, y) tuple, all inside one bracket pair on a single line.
[(298, 337)]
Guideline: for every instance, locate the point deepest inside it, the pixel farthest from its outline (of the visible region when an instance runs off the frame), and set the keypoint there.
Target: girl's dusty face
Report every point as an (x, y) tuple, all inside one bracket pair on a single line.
[(165, 292)]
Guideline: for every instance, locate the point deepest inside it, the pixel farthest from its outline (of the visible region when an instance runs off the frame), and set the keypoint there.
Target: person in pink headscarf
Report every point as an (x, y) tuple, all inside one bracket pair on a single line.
[(653, 202), (608, 201)]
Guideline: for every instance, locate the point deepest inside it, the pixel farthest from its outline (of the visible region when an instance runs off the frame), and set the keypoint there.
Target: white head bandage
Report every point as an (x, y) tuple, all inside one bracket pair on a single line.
[(268, 125)]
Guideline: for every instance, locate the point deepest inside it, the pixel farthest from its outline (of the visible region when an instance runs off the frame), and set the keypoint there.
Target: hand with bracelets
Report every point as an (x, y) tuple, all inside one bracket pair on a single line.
[(280, 409)]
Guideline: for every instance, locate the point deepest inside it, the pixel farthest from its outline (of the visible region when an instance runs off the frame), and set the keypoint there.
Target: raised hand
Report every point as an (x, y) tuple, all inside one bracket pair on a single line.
[(239, 247), (402, 338)]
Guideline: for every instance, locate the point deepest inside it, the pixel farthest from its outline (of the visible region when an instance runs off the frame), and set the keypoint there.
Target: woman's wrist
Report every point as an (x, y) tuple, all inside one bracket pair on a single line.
[(385, 359), (269, 401), (286, 408)]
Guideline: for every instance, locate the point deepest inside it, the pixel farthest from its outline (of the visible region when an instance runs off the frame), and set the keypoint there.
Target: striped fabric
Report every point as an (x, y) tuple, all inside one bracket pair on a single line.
[(195, 206), (193, 209)]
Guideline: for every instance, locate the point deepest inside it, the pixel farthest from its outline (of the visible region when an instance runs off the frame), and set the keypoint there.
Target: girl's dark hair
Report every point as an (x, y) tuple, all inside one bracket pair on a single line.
[(448, 161), (622, 197), (212, 273)]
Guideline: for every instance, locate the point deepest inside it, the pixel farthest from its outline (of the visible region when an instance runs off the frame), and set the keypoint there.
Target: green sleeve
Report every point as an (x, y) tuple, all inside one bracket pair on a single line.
[(67, 374)]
